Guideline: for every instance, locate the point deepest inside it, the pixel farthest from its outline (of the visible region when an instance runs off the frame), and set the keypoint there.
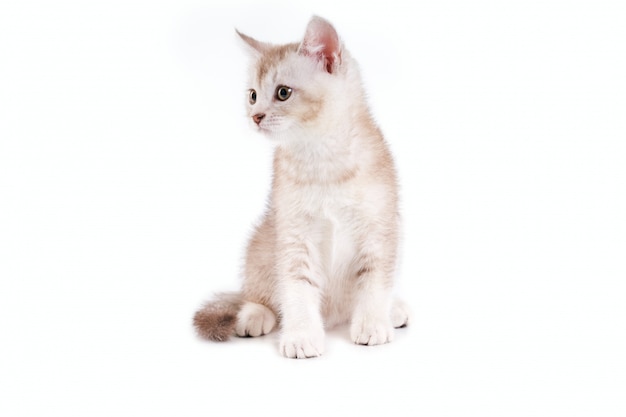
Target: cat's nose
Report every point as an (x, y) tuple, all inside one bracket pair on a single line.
[(258, 117)]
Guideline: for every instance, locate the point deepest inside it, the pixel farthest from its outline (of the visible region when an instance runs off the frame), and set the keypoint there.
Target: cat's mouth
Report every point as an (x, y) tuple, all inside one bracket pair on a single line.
[(270, 125), (263, 129)]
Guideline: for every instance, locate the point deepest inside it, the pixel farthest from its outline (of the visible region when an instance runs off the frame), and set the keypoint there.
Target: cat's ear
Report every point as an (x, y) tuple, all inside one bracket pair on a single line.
[(255, 47), (322, 43)]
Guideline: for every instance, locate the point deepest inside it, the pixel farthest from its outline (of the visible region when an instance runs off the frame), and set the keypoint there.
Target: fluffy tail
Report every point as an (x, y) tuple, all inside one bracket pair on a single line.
[(217, 319)]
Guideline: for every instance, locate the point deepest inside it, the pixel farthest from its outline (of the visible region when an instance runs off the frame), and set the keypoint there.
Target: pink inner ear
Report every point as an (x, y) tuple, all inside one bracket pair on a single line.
[(322, 42)]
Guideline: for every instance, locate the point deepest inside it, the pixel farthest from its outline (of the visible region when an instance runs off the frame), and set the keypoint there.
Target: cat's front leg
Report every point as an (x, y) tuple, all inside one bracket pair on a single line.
[(372, 315), (371, 320), (302, 327), (302, 334)]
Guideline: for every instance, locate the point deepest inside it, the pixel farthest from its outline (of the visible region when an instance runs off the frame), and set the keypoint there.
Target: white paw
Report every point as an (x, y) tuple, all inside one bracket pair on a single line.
[(302, 344), (371, 330), (400, 314), (254, 320)]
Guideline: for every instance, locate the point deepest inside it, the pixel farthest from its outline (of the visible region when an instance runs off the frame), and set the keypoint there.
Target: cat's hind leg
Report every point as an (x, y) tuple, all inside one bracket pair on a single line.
[(400, 314), (254, 320)]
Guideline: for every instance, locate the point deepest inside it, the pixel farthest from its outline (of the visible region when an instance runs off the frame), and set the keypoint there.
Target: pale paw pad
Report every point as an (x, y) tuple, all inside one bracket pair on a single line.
[(302, 345), (371, 331), (254, 320)]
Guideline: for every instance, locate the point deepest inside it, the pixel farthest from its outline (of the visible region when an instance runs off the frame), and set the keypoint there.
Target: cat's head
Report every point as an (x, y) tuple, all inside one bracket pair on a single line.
[(297, 87)]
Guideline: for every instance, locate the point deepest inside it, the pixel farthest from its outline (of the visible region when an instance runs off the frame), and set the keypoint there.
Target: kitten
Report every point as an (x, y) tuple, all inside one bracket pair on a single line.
[(325, 251)]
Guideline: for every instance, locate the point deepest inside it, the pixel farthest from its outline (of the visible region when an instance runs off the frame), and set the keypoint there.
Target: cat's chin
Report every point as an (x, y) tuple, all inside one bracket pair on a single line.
[(276, 137), (273, 134), (268, 133)]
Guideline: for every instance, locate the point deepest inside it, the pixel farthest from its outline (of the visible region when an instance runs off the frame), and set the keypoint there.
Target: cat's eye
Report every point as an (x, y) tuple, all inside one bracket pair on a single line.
[(283, 92), (252, 96)]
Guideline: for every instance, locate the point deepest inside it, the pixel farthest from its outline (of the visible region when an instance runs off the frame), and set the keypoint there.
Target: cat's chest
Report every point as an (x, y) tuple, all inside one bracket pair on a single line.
[(330, 218), (332, 203), (332, 227)]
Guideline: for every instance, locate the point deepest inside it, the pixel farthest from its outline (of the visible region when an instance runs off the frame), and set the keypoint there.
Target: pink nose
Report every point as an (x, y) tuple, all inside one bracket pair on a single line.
[(258, 117)]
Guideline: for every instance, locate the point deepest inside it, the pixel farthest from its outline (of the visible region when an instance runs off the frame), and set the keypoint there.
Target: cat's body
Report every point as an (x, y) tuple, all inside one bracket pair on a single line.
[(325, 251)]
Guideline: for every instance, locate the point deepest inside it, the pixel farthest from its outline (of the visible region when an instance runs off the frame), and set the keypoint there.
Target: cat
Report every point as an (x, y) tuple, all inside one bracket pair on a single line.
[(325, 251)]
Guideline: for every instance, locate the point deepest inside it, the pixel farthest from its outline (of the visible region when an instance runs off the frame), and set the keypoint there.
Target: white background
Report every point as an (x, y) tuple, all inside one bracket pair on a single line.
[(130, 180)]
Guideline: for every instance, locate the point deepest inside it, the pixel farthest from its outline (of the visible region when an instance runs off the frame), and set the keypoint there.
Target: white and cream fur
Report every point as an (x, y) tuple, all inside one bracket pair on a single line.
[(325, 251)]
